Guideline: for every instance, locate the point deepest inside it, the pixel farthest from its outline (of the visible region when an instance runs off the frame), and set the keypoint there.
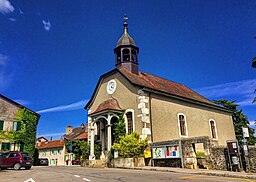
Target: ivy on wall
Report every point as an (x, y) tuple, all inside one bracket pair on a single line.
[(27, 134)]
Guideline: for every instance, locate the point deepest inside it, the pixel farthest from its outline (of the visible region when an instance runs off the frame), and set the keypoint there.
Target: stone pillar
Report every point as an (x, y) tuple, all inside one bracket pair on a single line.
[(92, 156), (109, 133)]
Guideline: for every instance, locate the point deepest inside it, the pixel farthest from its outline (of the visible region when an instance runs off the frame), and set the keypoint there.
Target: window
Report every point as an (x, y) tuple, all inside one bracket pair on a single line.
[(44, 153), (134, 56), (126, 55), (129, 122), (213, 129), (16, 126), (118, 57), (1, 125), (6, 146), (182, 125)]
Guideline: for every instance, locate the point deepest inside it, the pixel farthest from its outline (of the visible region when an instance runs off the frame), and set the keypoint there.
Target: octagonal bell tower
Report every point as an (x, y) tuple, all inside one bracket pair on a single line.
[(126, 51)]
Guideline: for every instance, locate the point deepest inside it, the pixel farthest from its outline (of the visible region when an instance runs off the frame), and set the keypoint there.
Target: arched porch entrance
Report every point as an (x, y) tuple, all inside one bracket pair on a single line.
[(102, 132)]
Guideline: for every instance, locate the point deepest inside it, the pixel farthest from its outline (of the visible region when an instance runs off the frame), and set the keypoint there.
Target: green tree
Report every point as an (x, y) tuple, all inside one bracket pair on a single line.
[(119, 128), (239, 120), (81, 149), (130, 146)]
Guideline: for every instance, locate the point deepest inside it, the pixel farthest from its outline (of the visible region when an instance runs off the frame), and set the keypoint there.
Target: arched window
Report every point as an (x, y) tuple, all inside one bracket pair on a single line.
[(213, 129), (134, 56), (129, 122), (182, 125), (126, 55), (118, 57)]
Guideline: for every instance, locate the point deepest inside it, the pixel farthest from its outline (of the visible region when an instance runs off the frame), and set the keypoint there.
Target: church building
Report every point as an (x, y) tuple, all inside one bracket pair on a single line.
[(174, 118)]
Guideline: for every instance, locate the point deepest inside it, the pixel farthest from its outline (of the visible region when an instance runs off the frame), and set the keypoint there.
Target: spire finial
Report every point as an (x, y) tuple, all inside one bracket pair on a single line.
[(125, 24)]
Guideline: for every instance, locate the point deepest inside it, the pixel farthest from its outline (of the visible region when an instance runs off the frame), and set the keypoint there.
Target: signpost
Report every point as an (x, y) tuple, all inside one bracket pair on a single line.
[(245, 131)]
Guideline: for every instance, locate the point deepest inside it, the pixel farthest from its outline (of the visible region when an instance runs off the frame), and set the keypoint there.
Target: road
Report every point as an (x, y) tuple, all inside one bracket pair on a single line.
[(80, 174)]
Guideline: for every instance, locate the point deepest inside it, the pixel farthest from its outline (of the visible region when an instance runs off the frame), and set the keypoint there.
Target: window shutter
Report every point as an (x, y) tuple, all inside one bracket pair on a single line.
[(18, 126), (1, 125)]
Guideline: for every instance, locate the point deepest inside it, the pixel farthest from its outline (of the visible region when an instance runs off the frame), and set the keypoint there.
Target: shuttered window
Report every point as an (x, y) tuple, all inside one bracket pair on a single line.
[(1, 124), (16, 126), (5, 146)]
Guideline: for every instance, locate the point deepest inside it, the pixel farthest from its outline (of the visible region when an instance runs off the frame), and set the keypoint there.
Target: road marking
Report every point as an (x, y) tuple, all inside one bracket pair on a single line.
[(86, 179), (29, 180), (77, 176), (196, 177)]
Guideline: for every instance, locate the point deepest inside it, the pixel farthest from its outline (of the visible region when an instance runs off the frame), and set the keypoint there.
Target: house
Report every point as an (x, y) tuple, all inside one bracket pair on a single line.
[(53, 150), (178, 122), (79, 133), (8, 122)]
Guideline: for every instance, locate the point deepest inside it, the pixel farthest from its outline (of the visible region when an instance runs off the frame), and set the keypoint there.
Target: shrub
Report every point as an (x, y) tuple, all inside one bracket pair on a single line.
[(130, 146)]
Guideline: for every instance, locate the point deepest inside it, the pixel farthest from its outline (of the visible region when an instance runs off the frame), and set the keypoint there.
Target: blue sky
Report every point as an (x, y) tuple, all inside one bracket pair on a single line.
[(53, 52)]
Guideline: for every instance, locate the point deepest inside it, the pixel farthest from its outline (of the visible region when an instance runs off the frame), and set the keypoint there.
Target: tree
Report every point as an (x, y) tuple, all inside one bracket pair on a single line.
[(119, 128), (130, 146), (81, 149), (239, 120)]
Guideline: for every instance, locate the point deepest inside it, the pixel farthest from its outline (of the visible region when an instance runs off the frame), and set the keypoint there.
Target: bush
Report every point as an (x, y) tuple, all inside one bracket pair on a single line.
[(130, 146)]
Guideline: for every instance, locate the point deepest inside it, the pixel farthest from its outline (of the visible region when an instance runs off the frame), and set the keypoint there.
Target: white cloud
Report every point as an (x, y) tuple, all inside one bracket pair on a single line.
[(22, 102), (6, 7), (47, 25), (241, 91), (252, 124), (69, 107), (52, 134), (3, 59), (5, 76), (21, 12), (12, 19)]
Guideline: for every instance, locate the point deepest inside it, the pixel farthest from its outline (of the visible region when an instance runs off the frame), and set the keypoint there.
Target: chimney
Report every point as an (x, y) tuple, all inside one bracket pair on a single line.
[(69, 130)]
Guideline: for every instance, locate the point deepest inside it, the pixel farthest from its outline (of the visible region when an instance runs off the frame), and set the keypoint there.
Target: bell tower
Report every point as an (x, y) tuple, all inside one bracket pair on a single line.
[(126, 51)]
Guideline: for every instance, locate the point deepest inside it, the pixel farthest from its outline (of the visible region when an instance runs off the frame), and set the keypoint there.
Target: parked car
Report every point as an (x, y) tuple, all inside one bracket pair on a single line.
[(76, 162), (15, 160), (42, 162)]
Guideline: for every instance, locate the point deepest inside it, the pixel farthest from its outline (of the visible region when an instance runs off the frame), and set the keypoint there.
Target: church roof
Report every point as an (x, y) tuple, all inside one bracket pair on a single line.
[(163, 85), (110, 104), (157, 85)]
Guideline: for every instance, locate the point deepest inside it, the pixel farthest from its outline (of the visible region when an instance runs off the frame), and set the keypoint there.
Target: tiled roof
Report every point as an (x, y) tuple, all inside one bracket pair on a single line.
[(110, 104), (163, 85), (75, 132), (51, 144), (82, 136)]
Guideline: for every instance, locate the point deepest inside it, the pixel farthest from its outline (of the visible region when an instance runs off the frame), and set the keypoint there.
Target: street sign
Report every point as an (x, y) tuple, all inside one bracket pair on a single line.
[(245, 132)]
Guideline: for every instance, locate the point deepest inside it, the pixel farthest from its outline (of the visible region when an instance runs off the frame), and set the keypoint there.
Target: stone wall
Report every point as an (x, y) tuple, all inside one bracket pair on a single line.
[(252, 159), (127, 162), (7, 114)]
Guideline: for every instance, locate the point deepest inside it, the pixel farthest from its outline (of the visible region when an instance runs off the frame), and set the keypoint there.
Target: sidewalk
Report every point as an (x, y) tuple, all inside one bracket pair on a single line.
[(198, 171)]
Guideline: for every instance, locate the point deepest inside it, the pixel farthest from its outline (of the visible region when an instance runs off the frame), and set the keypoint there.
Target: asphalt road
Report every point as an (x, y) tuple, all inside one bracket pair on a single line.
[(77, 173)]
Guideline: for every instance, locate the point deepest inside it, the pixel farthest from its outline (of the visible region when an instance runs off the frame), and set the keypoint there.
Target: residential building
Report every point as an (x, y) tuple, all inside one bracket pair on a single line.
[(53, 150), (165, 112), (80, 133), (8, 122)]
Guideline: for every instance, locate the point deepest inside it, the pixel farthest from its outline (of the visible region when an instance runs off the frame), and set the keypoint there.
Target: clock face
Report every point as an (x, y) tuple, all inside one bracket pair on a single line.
[(111, 87)]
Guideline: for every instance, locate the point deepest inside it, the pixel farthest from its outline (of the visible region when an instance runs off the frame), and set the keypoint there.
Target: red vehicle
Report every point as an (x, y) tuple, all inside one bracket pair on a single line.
[(15, 160)]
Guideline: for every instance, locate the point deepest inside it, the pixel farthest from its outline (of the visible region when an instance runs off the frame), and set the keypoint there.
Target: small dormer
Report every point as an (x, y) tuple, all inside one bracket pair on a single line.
[(126, 51)]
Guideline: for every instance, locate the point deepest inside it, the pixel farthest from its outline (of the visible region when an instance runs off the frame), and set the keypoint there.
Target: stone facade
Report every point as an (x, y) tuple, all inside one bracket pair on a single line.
[(8, 110), (252, 159)]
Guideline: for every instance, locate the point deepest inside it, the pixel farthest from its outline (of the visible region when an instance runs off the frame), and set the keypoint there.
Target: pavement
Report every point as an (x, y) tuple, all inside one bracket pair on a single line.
[(198, 172)]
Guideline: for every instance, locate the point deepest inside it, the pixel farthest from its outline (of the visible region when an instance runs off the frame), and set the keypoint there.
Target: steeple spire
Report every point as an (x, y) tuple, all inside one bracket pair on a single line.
[(125, 24), (126, 51)]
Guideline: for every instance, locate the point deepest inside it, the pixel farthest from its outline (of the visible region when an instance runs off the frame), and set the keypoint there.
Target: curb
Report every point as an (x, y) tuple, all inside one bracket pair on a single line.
[(208, 173)]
